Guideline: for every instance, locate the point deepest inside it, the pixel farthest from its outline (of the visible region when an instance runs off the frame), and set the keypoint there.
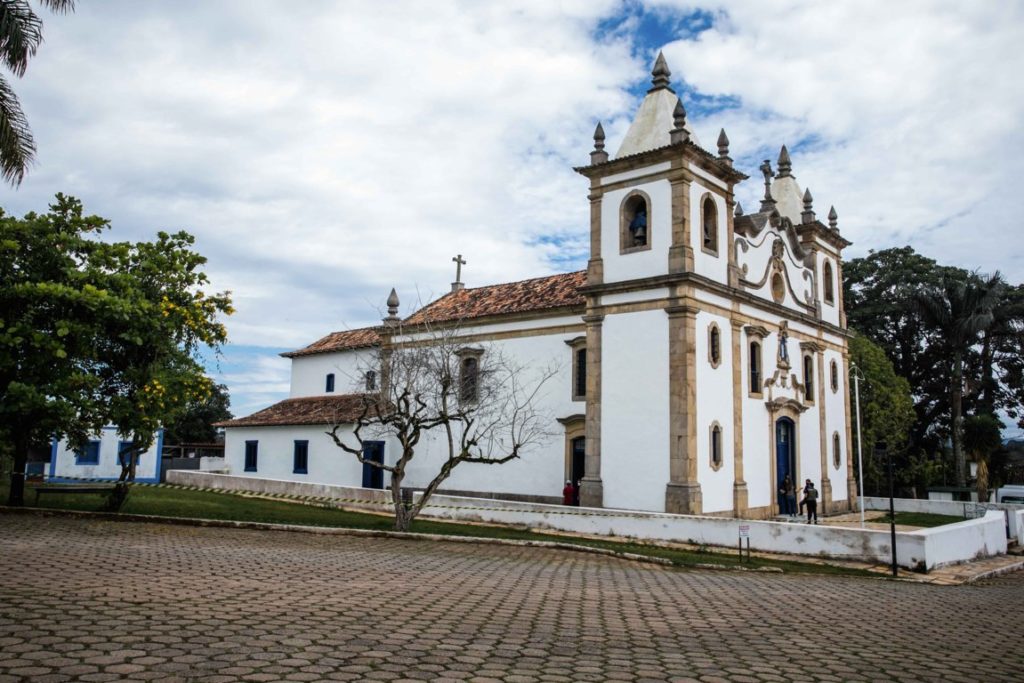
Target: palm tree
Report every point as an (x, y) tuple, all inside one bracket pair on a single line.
[(21, 32), (959, 310)]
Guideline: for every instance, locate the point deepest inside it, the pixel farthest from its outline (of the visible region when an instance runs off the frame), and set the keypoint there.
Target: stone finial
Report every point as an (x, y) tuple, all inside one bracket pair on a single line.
[(598, 156), (392, 319), (660, 74), (785, 165), (723, 148), (833, 219), (678, 134), (807, 216), (739, 210), (768, 203)]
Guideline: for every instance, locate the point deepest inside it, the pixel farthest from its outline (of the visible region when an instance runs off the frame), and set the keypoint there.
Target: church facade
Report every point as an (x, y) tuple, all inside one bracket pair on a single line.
[(702, 355)]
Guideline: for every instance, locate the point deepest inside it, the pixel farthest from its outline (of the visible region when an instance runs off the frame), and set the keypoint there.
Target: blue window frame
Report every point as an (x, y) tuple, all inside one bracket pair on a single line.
[(121, 445), (251, 452), (329, 388), (90, 455), (301, 461)]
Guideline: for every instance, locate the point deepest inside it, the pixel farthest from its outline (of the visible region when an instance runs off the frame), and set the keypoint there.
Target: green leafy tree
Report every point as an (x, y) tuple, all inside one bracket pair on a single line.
[(99, 333), (21, 33), (195, 424), (982, 439), (887, 414), (960, 309)]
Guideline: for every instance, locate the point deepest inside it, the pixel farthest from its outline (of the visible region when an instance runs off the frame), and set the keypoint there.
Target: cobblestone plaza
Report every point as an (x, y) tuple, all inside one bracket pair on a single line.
[(90, 600)]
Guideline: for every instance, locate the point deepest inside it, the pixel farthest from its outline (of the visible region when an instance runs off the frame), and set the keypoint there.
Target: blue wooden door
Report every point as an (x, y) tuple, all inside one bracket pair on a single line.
[(785, 451), (373, 477)]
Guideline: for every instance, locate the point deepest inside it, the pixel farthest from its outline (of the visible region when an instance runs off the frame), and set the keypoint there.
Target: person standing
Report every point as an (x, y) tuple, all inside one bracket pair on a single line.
[(789, 496), (567, 493), (811, 498)]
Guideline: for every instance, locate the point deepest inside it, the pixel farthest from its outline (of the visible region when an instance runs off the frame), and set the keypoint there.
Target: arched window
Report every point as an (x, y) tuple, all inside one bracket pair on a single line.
[(837, 456), (834, 372), (469, 379), (716, 446), (714, 345), (635, 223), (329, 383), (580, 389), (371, 380), (755, 368), (830, 295), (809, 378), (709, 225)]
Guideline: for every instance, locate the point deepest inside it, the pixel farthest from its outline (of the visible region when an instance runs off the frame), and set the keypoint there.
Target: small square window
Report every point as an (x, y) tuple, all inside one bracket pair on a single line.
[(89, 455)]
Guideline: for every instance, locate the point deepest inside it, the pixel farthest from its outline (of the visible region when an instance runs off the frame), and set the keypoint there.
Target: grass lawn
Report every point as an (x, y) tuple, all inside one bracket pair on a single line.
[(172, 502), (922, 519)]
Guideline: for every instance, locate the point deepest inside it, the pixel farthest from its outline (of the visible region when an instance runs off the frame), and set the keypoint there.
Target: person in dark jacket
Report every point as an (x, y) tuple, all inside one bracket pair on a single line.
[(811, 499)]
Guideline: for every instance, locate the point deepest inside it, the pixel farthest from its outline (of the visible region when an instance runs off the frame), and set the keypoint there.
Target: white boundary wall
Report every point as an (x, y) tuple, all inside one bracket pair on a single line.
[(1013, 518), (927, 548)]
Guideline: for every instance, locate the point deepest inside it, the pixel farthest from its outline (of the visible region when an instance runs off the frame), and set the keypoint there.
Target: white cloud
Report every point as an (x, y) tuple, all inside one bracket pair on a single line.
[(323, 152)]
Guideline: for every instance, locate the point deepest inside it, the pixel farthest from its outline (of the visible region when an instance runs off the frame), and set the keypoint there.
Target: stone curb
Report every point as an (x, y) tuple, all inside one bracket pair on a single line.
[(340, 531), (1017, 566)]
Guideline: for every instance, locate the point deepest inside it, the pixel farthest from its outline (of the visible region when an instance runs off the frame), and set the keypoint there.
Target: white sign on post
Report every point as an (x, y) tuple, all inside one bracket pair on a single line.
[(744, 531)]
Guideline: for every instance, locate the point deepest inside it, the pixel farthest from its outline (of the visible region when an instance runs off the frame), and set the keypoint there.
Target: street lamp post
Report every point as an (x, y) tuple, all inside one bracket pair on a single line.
[(881, 449), (857, 376)]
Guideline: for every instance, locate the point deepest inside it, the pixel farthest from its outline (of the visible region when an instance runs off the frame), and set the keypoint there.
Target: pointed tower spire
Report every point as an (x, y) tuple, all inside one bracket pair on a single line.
[(660, 74), (723, 148), (598, 156), (768, 203), (739, 210), (679, 134), (392, 319), (808, 213), (785, 165), (833, 219)]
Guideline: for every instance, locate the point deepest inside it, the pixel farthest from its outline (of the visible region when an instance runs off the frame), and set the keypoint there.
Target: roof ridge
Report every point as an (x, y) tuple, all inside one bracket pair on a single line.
[(515, 282)]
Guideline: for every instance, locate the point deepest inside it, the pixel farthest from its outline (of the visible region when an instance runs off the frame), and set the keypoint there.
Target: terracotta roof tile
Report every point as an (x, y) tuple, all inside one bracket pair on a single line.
[(363, 337), (309, 410), (538, 294)]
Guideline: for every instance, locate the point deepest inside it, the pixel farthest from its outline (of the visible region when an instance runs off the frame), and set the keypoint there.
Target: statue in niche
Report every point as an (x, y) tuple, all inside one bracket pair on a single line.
[(638, 227), (784, 342)]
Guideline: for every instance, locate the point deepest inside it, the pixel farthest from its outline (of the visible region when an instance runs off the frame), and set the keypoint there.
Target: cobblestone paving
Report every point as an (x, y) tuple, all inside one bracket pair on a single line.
[(84, 600)]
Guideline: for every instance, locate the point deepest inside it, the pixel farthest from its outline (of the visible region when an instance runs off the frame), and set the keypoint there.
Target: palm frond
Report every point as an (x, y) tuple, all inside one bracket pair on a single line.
[(58, 6), (17, 148), (21, 32)]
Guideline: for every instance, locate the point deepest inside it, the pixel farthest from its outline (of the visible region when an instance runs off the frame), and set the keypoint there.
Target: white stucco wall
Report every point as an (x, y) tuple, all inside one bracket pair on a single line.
[(714, 404), (634, 413), (326, 464), (638, 264), (63, 465), (309, 373)]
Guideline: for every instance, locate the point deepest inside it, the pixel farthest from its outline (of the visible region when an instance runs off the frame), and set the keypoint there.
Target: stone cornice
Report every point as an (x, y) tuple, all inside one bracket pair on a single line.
[(690, 151), (715, 288)]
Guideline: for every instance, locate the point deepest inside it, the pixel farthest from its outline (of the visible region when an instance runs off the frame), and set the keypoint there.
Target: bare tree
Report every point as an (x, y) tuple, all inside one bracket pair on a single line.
[(478, 404)]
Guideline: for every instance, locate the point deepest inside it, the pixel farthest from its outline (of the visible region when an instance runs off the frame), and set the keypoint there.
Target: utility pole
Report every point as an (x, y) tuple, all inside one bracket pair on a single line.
[(855, 371)]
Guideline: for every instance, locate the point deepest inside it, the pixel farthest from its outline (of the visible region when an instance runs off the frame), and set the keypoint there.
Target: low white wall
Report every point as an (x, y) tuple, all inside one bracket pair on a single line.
[(212, 464), (1017, 519), (375, 499), (927, 548), (1011, 520)]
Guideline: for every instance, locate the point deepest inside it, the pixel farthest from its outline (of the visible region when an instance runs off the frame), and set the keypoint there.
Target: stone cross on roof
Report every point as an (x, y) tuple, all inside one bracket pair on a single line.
[(459, 262)]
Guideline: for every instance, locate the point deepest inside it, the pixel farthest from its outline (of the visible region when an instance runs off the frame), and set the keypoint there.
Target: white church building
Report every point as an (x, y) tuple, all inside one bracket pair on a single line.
[(702, 355)]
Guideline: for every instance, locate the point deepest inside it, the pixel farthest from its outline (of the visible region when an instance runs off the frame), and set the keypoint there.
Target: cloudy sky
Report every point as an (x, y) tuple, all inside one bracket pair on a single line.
[(324, 152)]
